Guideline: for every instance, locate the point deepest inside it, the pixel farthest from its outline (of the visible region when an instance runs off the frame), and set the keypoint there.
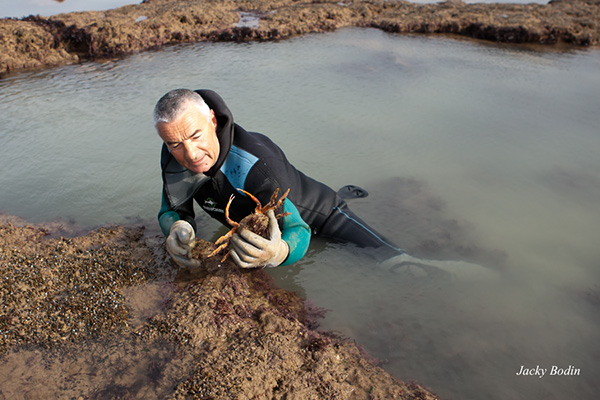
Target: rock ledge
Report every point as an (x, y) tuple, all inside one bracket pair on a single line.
[(35, 42)]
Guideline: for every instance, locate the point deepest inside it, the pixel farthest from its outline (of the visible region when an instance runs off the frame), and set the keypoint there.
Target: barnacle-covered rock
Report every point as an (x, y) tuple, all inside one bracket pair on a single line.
[(106, 315), (36, 41)]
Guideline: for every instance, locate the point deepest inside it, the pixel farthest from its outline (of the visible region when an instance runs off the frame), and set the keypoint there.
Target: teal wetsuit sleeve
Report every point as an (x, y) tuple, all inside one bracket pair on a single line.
[(296, 233), (166, 217)]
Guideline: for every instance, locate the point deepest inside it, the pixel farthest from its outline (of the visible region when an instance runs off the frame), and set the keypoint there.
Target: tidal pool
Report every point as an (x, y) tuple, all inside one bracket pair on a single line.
[(470, 151)]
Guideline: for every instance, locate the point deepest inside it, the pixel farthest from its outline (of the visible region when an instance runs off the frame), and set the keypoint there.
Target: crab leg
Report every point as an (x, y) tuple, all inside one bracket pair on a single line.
[(281, 199), (223, 241), (258, 205), (229, 220), (225, 237), (224, 257), (271, 202), (218, 249)]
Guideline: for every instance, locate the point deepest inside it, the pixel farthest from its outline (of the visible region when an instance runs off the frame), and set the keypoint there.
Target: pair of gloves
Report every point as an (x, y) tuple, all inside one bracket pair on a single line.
[(246, 248)]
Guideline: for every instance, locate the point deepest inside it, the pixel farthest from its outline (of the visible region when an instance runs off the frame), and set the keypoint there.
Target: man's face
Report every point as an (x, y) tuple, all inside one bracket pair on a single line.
[(192, 139)]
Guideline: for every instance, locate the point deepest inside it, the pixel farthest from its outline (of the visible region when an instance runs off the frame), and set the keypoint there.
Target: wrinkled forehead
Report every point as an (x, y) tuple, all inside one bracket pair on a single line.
[(201, 110)]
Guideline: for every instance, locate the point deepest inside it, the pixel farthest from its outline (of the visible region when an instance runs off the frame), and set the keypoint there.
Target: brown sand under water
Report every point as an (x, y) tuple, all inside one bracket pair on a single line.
[(105, 315)]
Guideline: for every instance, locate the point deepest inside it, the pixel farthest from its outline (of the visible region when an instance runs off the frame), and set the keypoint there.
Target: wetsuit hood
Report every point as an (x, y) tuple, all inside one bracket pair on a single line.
[(179, 183), (224, 126)]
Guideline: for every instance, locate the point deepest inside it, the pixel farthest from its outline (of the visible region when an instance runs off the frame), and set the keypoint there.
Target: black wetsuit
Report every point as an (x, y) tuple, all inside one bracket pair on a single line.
[(251, 161)]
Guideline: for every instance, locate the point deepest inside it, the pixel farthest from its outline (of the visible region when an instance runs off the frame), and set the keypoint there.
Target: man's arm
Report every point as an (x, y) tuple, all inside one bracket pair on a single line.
[(167, 215), (179, 228), (296, 233)]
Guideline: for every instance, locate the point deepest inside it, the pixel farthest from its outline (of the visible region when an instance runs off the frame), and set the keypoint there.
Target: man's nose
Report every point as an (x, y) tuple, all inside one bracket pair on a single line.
[(189, 149)]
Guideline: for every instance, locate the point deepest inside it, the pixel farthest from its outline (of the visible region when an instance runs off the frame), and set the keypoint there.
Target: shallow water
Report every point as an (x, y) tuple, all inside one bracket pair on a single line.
[(470, 151)]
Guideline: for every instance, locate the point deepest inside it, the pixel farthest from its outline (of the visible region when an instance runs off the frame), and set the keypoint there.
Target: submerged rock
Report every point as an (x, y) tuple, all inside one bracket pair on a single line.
[(34, 41), (106, 315)]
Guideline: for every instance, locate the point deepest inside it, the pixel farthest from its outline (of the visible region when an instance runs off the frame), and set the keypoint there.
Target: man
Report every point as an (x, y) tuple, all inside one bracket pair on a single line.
[(206, 157)]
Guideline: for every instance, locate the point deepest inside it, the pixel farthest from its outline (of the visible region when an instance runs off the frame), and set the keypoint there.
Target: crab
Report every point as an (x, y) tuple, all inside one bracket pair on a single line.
[(257, 222)]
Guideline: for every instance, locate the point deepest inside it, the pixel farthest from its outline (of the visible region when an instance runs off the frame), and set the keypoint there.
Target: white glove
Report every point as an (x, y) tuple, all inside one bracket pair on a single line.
[(180, 242), (250, 250)]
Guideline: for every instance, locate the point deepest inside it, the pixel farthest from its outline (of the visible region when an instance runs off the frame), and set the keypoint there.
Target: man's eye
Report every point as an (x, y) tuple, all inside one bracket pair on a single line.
[(197, 136), (174, 145)]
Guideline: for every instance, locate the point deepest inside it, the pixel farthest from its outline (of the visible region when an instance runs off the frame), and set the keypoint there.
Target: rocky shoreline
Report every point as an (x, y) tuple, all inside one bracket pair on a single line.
[(106, 315), (36, 42)]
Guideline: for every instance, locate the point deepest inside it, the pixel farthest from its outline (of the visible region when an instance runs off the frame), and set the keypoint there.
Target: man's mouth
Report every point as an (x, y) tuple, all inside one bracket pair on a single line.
[(200, 161)]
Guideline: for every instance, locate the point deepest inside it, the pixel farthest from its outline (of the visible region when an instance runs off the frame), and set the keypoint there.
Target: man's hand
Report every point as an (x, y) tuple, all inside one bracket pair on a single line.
[(251, 250), (180, 243)]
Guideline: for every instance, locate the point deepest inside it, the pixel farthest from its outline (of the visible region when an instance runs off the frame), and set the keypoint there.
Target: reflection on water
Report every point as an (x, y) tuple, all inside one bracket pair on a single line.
[(474, 152)]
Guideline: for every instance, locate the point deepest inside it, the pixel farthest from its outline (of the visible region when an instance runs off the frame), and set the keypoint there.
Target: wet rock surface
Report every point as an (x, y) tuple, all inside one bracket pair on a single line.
[(35, 42), (105, 315)]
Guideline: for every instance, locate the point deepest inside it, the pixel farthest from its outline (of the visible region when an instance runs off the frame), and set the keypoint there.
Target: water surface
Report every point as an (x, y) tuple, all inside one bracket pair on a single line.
[(481, 152)]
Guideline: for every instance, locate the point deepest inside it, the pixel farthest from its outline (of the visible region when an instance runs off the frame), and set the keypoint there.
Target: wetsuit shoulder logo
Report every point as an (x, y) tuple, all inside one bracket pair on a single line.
[(211, 205)]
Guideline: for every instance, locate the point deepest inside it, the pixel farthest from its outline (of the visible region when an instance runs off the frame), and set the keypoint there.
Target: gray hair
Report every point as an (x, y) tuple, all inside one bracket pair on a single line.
[(172, 104)]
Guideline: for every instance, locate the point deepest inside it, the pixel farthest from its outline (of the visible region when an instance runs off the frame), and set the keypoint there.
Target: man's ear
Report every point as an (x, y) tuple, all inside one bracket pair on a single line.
[(213, 118)]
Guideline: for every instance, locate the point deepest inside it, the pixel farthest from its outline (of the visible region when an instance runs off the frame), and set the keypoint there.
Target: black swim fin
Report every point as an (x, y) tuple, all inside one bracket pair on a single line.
[(352, 192)]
